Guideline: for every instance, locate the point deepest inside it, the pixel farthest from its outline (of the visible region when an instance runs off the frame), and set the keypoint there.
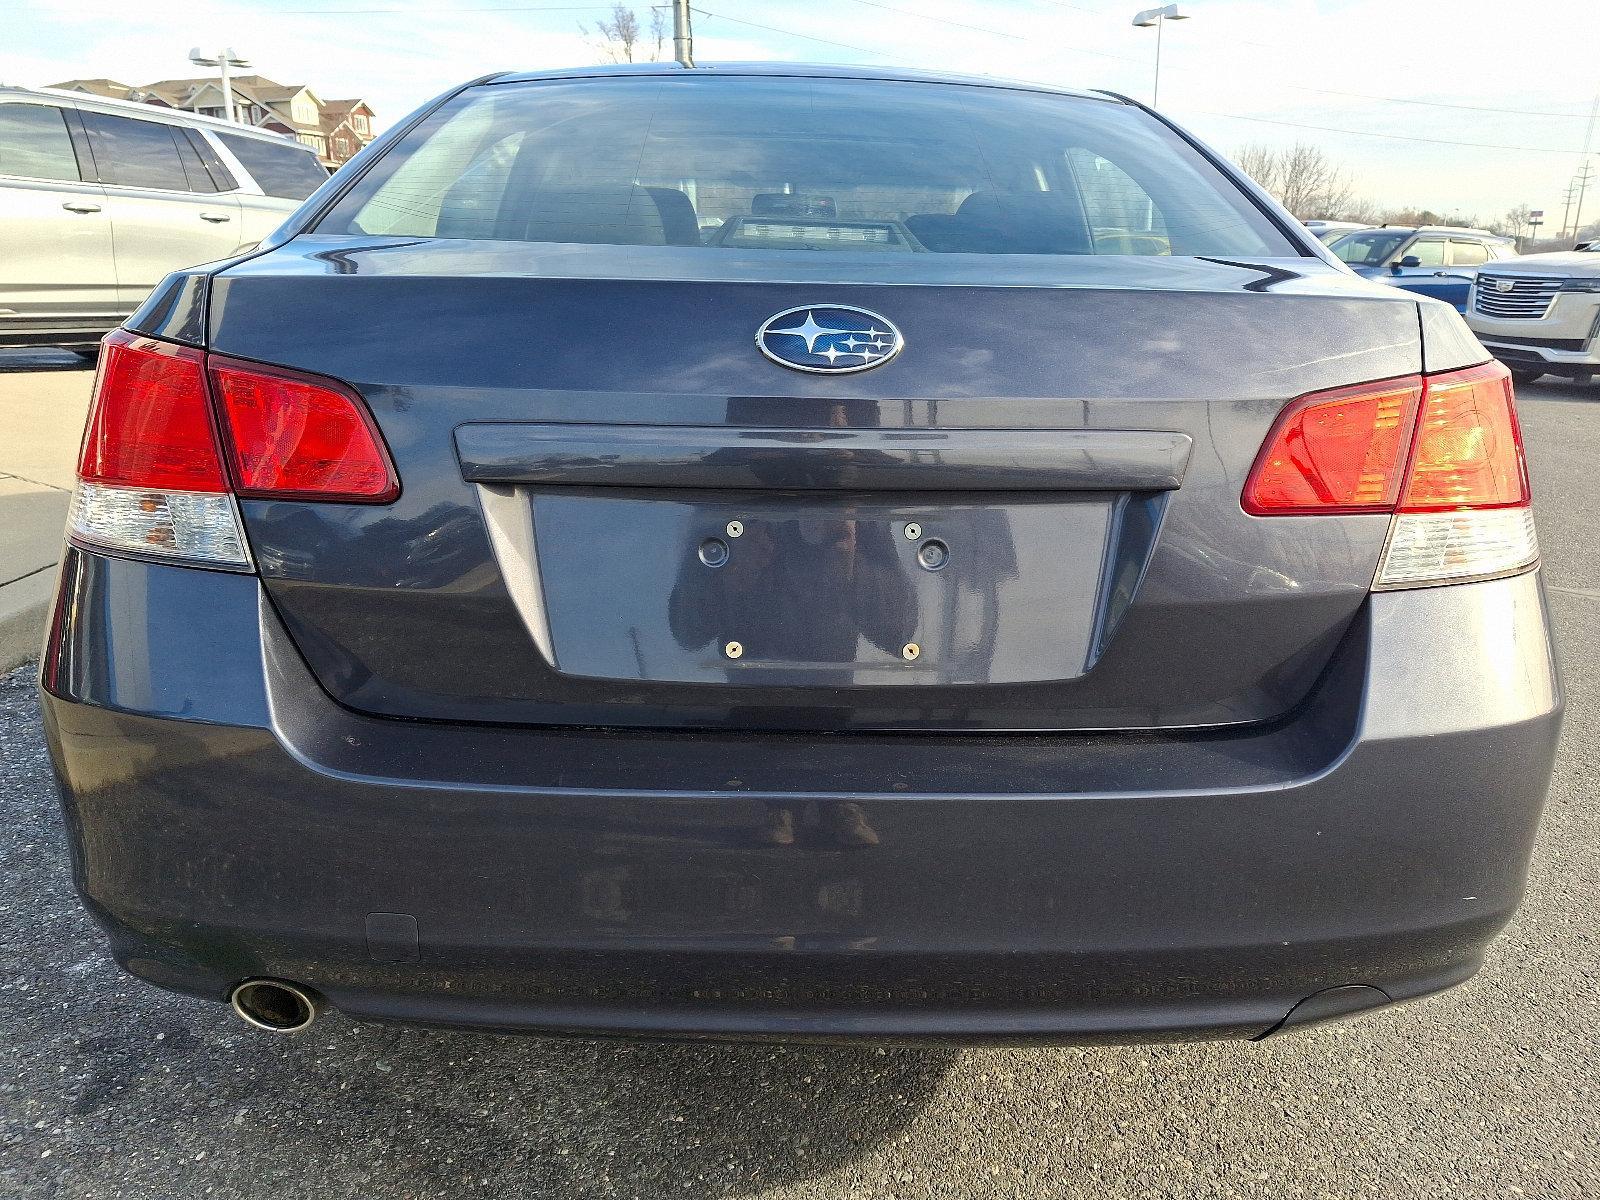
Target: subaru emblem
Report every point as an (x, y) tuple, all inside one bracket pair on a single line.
[(829, 339)]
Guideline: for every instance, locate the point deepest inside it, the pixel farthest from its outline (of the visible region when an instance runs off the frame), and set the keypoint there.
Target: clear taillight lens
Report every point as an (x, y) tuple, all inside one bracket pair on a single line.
[(1452, 547), (192, 526)]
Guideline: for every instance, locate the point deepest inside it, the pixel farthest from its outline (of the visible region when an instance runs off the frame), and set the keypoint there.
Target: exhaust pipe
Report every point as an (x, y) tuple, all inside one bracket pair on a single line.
[(275, 1005)]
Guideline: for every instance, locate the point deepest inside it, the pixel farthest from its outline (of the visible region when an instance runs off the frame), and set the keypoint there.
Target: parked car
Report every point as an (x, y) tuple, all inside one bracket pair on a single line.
[(100, 199), (1431, 260), (1332, 231), (1540, 314), (556, 586)]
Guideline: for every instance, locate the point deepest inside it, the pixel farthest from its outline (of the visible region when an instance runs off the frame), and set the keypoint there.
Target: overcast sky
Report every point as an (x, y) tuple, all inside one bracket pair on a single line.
[(1498, 73)]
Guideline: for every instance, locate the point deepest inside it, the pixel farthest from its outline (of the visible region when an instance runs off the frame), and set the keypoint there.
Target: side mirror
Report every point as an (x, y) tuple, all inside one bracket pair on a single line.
[(1410, 260)]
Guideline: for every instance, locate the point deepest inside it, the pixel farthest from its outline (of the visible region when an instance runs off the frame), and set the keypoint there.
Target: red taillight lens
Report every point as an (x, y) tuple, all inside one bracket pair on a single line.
[(1442, 443), (293, 436), (150, 422), (1336, 452), (1468, 448)]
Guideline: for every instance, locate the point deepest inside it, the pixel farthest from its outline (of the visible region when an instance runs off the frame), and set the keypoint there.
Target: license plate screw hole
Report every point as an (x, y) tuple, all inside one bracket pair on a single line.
[(910, 651), (735, 528), (913, 531), (932, 554), (733, 650)]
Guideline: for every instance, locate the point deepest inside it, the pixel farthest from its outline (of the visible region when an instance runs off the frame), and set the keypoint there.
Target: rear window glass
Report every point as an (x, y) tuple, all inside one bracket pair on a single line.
[(756, 163), (285, 170)]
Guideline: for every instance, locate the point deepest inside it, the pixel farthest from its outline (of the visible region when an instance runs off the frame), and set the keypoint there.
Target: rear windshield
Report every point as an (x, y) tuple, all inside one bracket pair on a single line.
[(758, 163)]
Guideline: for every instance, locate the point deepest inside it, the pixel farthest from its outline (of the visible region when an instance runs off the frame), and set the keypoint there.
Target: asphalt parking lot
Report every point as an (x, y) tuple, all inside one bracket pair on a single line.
[(109, 1088)]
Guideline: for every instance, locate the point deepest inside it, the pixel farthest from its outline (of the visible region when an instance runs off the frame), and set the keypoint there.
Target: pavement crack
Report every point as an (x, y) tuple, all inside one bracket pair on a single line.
[(54, 487), (50, 566)]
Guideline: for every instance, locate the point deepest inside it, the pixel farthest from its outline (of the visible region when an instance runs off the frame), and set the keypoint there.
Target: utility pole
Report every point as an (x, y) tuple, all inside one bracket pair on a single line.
[(1586, 168), (223, 61), (1582, 182), (682, 34)]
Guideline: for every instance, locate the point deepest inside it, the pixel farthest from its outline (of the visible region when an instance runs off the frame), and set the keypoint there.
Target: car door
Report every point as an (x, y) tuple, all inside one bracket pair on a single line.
[(1465, 256), (1422, 267), (166, 209), (56, 262)]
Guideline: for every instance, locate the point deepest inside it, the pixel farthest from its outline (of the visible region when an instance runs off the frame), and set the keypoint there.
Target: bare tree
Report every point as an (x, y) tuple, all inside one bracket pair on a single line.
[(658, 31), (616, 38), (1303, 178)]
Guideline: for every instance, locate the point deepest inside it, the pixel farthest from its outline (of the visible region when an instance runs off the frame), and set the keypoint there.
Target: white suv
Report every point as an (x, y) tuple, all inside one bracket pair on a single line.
[(1539, 314), (99, 199)]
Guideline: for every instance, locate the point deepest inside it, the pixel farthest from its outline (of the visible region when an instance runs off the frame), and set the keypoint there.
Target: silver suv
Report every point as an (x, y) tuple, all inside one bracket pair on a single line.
[(101, 198)]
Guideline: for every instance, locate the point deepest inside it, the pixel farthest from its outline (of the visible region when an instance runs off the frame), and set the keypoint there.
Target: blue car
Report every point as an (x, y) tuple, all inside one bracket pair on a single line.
[(789, 551), (1432, 260)]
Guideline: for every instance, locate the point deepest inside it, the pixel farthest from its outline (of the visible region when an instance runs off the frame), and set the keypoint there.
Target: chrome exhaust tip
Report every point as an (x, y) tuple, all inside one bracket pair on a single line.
[(275, 1005)]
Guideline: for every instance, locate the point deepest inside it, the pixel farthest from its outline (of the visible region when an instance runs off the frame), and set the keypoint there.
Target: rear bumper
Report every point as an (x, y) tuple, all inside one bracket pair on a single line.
[(230, 821)]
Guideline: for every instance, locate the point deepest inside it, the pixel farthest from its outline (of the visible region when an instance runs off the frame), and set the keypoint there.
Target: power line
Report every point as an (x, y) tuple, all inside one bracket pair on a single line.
[(805, 36), (1015, 37), (438, 12), (906, 12), (1399, 137)]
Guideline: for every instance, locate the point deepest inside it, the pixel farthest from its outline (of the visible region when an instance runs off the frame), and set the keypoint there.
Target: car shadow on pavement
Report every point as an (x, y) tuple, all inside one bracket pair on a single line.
[(16, 361)]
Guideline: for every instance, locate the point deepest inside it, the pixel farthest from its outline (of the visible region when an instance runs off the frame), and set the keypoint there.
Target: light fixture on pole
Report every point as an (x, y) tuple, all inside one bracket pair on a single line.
[(1158, 17), (223, 61)]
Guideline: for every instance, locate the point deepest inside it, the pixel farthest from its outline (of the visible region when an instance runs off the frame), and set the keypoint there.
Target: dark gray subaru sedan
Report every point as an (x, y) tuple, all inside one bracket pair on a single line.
[(788, 552)]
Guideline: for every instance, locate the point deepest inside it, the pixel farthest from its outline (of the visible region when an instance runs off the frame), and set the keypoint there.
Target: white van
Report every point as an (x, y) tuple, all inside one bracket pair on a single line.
[(99, 199)]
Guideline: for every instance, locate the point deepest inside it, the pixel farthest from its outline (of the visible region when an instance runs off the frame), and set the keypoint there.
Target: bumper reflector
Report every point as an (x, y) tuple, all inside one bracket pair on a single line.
[(1452, 547), (194, 527)]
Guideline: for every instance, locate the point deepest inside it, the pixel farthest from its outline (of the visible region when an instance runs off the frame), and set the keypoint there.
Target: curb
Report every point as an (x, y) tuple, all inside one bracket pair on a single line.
[(24, 604)]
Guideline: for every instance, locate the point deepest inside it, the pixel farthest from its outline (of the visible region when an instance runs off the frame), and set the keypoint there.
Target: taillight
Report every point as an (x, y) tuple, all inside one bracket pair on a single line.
[(1441, 453), (150, 474), (155, 477), (294, 436)]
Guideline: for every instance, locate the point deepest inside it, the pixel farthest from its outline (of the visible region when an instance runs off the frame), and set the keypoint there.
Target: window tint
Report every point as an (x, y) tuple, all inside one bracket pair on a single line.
[(34, 142), (136, 153), (281, 168), (1468, 254), (1428, 252), (221, 177), (199, 178), (757, 163)]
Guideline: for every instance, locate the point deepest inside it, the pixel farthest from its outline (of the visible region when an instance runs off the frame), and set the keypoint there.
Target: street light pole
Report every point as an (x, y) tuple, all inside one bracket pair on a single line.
[(1158, 17), (224, 61)]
